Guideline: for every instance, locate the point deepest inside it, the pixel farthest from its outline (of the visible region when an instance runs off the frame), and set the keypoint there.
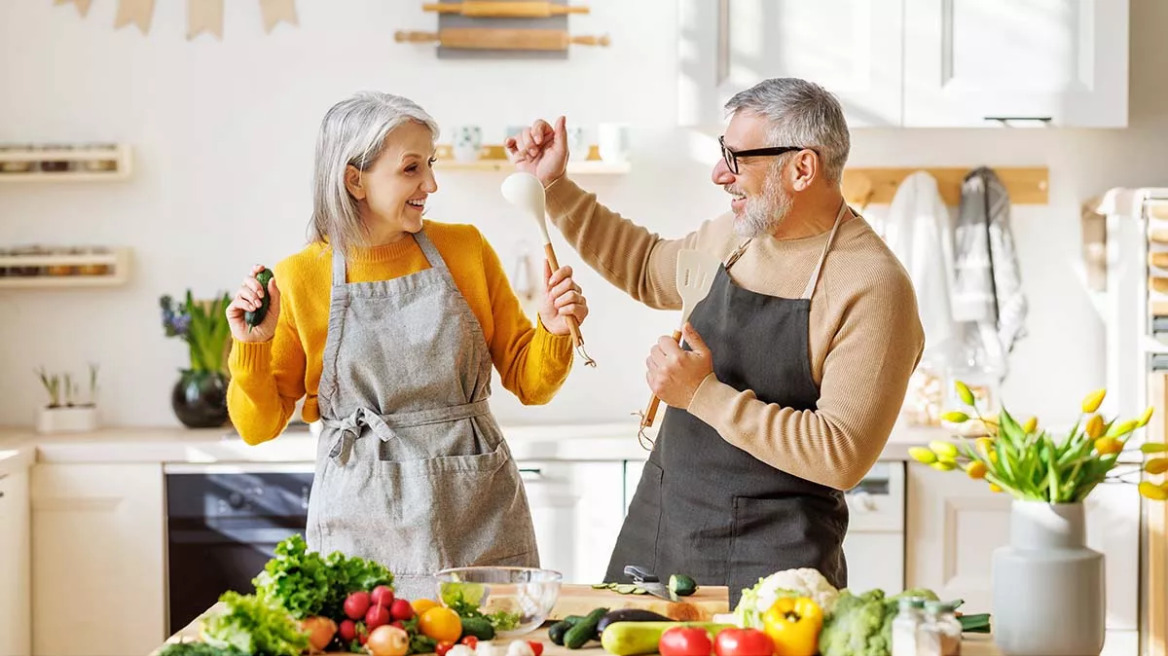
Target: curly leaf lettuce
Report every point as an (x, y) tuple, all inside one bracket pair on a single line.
[(254, 624)]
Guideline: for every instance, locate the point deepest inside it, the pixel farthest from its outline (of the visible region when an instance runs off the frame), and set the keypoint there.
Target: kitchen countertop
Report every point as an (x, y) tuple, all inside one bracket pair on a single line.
[(19, 447)]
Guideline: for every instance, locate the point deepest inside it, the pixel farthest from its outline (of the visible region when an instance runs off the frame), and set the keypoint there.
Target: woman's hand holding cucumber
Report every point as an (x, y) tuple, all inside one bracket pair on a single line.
[(253, 312)]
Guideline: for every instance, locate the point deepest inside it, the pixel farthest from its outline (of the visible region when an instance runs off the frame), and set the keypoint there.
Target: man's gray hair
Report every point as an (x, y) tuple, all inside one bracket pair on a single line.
[(801, 113), (353, 132)]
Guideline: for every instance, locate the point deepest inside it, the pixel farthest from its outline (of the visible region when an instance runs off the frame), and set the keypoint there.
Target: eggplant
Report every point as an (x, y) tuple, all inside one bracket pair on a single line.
[(629, 615)]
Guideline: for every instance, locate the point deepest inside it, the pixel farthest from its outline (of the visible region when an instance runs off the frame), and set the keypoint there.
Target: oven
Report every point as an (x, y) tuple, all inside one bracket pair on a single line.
[(223, 523)]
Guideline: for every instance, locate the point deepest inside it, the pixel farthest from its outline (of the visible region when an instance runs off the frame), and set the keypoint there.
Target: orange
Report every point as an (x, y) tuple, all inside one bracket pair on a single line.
[(441, 624)]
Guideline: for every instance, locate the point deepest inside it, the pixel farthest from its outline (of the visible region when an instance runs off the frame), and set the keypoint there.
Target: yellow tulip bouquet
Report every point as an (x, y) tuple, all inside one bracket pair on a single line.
[(1032, 465)]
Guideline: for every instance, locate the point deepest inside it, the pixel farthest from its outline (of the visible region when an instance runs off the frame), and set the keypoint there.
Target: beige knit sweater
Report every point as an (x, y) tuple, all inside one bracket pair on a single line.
[(865, 333)]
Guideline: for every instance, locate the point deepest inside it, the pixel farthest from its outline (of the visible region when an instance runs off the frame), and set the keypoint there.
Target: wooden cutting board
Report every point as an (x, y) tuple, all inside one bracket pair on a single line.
[(699, 607)]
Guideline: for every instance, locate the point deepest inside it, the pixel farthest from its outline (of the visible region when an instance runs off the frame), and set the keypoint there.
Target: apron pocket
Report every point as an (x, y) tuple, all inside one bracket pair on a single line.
[(774, 534), (637, 543)]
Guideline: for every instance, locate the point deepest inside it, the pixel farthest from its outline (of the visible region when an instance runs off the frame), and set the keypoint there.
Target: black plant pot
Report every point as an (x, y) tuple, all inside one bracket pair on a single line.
[(199, 399)]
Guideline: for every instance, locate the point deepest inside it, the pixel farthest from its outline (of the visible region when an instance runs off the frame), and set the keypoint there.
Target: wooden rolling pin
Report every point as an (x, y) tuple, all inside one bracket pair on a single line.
[(486, 9), (477, 38)]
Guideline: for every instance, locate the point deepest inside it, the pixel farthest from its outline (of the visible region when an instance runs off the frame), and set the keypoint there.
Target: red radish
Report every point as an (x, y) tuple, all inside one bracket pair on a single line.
[(402, 610), (377, 616), (348, 630), (398, 624), (356, 605), (382, 596)]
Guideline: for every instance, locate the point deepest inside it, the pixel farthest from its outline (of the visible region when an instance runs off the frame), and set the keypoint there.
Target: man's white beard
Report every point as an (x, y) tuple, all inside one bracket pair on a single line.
[(763, 213)]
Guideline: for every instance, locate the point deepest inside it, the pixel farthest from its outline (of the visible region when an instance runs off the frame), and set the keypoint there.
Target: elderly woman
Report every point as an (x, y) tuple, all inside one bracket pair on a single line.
[(389, 325)]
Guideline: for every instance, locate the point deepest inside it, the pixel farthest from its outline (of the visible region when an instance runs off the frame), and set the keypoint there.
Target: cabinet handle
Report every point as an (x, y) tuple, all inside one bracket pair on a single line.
[(723, 47), (1003, 119), (536, 471)]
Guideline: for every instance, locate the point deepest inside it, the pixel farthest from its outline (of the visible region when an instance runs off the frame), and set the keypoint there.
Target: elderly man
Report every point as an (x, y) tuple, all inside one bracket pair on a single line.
[(795, 365)]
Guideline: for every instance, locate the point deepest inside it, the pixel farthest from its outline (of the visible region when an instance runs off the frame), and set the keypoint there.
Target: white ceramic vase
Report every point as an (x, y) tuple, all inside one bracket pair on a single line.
[(1049, 594)]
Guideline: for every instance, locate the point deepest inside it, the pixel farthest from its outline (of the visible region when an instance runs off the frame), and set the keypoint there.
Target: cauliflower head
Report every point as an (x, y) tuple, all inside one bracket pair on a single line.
[(800, 582)]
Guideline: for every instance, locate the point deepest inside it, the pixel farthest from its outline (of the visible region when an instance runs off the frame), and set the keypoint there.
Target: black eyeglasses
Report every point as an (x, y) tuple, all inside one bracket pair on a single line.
[(731, 156)]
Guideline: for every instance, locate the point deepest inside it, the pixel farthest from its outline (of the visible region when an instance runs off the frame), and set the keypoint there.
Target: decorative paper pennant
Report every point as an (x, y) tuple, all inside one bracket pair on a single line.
[(204, 16), (278, 10), (82, 5), (138, 12)]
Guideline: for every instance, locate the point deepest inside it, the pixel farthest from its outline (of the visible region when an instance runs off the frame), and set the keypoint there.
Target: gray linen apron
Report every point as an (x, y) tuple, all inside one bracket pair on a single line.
[(706, 508), (412, 470)]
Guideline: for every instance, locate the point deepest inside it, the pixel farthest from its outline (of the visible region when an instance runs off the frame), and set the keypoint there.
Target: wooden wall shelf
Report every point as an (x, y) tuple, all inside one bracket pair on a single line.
[(877, 186), (81, 164), (494, 158), (105, 268)]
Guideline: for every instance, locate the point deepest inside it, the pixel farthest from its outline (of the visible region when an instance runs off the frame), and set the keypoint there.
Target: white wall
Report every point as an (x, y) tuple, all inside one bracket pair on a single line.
[(223, 134)]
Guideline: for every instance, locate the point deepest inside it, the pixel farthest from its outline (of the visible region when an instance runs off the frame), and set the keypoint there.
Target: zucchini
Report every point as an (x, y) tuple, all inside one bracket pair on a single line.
[(255, 317), (585, 630), (637, 638), (629, 615), (682, 585), (479, 627)]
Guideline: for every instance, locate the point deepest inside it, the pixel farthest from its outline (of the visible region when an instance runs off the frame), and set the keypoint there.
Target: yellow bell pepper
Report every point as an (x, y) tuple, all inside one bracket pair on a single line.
[(793, 624)]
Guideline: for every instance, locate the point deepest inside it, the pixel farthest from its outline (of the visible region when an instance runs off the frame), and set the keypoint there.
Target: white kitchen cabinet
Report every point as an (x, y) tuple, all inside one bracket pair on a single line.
[(577, 511), (851, 47), (15, 597), (98, 553), (1059, 61), (955, 524), (914, 63)]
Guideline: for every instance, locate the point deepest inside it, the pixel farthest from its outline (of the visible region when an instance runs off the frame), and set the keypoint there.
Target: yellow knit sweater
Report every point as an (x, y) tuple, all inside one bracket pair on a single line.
[(267, 379)]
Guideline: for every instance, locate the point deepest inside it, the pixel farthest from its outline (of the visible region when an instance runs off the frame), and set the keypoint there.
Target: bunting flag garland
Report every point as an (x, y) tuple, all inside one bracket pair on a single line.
[(203, 16)]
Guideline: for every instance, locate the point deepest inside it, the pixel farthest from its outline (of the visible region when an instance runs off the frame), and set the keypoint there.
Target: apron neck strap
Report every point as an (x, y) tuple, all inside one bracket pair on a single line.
[(823, 256), (427, 246)]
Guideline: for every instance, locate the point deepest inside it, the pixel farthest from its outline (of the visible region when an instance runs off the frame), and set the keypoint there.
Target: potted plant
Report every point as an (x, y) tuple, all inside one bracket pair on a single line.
[(1049, 593), (199, 398), (68, 410)]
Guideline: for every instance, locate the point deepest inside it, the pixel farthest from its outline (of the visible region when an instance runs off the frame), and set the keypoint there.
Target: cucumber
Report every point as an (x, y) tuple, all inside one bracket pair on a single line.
[(479, 627), (557, 631), (585, 630), (682, 585), (255, 317), (629, 615), (638, 638)]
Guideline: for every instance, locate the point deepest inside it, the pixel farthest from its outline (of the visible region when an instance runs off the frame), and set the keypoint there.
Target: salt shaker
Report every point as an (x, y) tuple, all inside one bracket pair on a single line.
[(904, 626), (944, 626)]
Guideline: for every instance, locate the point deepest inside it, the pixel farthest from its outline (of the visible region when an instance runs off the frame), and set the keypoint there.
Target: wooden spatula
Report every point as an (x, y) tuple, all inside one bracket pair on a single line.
[(695, 274)]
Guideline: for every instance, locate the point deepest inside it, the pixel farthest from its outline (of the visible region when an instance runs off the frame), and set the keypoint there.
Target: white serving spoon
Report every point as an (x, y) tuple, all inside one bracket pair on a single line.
[(694, 276), (525, 191)]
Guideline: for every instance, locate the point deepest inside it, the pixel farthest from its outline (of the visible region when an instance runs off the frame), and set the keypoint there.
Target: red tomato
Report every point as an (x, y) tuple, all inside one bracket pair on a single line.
[(470, 641), (685, 641), (536, 647), (743, 642), (442, 648)]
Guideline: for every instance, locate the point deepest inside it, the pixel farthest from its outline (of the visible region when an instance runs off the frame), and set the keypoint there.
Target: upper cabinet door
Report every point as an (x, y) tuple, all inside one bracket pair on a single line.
[(851, 47), (972, 62)]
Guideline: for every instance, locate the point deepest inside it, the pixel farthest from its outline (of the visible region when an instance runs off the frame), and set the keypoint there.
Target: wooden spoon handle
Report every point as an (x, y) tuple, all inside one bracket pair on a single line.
[(651, 411), (573, 326)]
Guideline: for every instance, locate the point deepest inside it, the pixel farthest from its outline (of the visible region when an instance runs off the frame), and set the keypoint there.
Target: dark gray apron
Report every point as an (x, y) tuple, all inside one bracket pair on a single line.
[(411, 468), (706, 508)]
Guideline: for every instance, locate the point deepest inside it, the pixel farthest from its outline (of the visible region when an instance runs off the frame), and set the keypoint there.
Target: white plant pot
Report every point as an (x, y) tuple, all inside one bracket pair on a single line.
[(67, 420)]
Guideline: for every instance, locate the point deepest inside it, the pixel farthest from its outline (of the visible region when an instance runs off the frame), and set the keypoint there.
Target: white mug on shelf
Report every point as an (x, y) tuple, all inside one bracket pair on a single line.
[(613, 142), (468, 143), (577, 145)]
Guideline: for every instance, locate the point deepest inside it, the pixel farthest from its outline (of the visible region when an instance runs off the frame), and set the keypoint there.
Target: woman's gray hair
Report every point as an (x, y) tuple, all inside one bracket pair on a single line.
[(801, 113), (353, 132)]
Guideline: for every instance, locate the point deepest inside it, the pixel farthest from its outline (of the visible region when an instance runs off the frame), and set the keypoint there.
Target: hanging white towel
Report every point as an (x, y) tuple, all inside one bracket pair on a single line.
[(919, 231)]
